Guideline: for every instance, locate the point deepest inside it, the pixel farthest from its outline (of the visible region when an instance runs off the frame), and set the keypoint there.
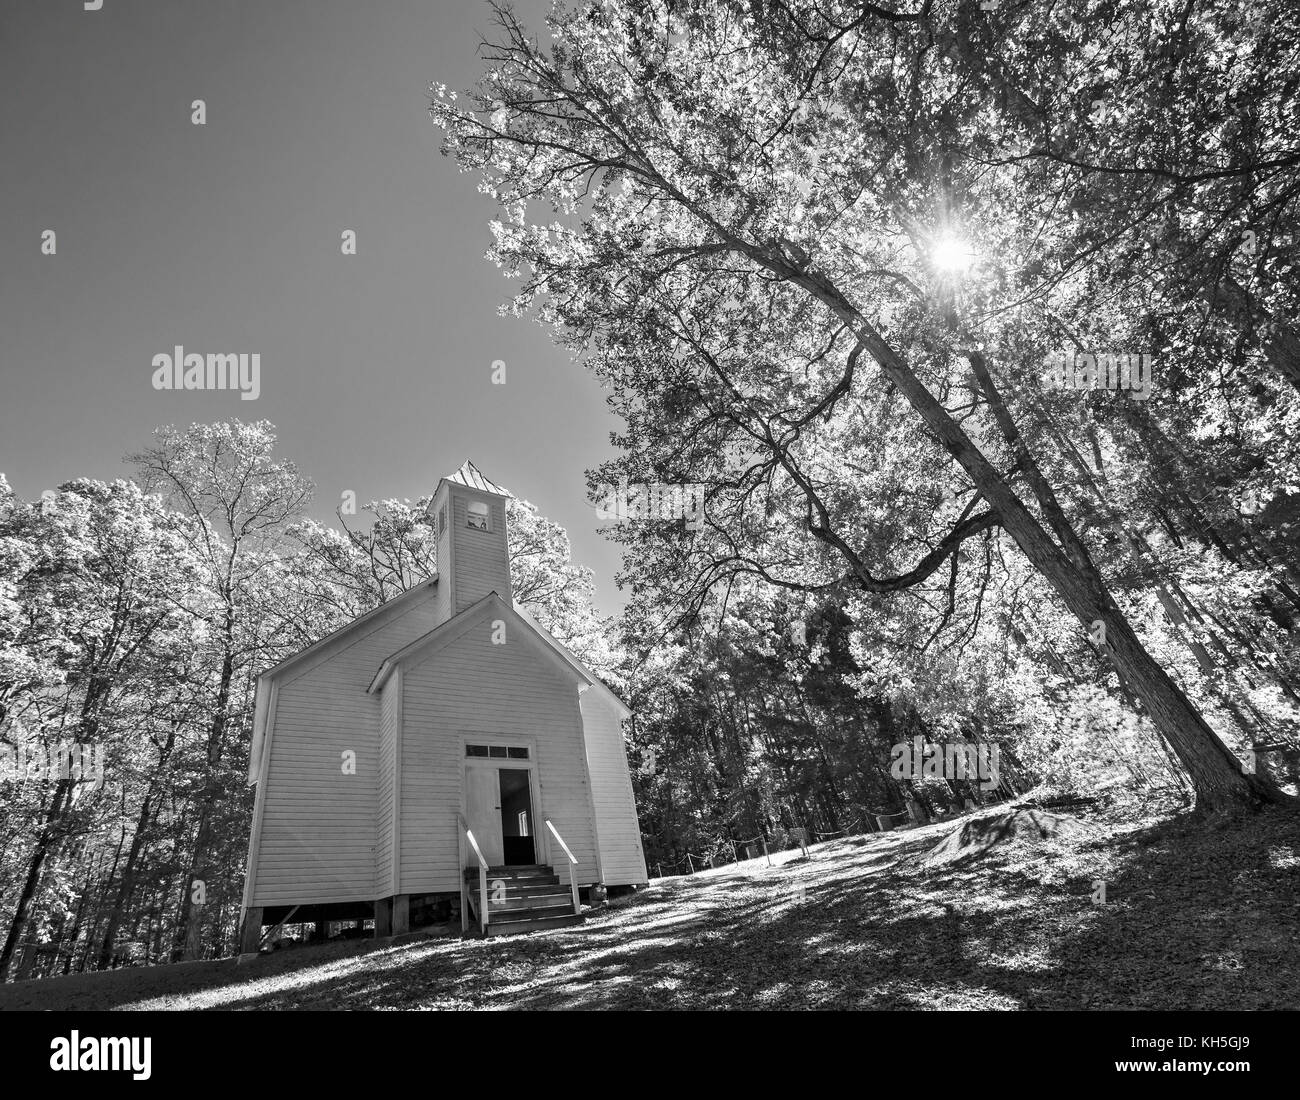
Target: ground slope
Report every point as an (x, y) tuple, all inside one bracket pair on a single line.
[(1194, 917)]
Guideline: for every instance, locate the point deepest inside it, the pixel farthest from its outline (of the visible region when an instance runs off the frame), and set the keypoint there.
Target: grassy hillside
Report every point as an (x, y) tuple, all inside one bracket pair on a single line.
[(1195, 917)]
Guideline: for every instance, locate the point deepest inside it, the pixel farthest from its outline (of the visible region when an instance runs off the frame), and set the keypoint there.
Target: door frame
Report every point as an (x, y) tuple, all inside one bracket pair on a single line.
[(513, 765), (541, 847)]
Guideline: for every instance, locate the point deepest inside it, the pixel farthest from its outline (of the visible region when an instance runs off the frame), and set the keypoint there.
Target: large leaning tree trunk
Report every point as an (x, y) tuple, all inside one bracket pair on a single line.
[(642, 96), (1217, 776)]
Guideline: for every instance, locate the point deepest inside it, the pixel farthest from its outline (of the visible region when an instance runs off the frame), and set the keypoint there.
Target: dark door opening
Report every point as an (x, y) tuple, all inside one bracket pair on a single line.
[(517, 825)]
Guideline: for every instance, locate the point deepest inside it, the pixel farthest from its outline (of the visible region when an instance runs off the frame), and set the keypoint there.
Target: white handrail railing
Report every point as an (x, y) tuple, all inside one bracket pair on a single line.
[(573, 866), (482, 880)]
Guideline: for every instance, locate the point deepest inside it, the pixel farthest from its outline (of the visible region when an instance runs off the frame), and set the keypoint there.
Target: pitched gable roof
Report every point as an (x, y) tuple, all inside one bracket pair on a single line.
[(265, 679), (564, 651), (402, 598), (454, 627)]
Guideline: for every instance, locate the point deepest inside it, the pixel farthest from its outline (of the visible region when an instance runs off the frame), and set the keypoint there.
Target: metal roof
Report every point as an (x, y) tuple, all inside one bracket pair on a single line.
[(471, 476)]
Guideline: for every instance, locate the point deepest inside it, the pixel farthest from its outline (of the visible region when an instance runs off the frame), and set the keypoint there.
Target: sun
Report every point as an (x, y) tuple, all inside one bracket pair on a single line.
[(952, 254)]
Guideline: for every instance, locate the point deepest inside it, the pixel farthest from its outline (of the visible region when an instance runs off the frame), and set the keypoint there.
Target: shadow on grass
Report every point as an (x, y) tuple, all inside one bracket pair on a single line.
[(1192, 919)]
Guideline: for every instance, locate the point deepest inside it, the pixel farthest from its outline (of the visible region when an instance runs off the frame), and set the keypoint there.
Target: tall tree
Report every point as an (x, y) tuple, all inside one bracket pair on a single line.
[(91, 573), (765, 212), (240, 501)]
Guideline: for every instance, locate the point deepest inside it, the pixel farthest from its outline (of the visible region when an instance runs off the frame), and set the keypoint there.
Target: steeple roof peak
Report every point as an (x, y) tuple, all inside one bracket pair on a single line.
[(471, 476)]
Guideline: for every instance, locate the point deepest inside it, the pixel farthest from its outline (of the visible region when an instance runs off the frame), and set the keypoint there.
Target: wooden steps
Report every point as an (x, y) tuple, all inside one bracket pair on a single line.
[(532, 924), (525, 873), (534, 899)]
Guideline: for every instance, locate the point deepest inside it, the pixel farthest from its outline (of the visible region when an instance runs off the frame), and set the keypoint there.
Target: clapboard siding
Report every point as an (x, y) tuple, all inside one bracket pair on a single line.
[(320, 829), (321, 835), (622, 860), (480, 559), (389, 707), (472, 688)]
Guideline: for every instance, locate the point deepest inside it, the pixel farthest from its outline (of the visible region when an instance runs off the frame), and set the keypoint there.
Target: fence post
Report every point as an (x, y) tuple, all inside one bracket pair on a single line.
[(660, 868), (690, 867), (765, 852)]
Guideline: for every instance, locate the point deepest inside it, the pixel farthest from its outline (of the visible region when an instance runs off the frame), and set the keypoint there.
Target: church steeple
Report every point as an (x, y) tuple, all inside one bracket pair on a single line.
[(469, 517)]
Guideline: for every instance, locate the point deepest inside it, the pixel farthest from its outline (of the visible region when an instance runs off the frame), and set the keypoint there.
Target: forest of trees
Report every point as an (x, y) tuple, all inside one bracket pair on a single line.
[(821, 255)]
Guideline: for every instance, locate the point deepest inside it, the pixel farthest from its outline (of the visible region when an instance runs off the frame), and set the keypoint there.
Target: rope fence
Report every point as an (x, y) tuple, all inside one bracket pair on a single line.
[(798, 836), (853, 828)]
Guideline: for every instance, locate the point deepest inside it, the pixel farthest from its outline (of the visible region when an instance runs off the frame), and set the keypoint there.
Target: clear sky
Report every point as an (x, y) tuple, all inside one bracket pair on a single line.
[(225, 238)]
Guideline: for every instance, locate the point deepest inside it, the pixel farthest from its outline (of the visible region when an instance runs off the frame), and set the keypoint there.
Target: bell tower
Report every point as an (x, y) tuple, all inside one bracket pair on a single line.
[(469, 519)]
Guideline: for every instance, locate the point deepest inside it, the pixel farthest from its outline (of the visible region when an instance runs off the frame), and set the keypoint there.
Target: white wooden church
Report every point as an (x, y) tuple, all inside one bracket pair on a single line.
[(442, 748)]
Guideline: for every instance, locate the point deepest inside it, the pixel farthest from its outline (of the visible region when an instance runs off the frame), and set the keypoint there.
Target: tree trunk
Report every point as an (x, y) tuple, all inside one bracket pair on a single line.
[(127, 885), (41, 852), (1217, 777), (187, 933)]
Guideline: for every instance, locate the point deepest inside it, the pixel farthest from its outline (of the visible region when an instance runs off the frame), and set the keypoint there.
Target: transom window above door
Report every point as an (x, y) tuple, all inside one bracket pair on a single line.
[(499, 752)]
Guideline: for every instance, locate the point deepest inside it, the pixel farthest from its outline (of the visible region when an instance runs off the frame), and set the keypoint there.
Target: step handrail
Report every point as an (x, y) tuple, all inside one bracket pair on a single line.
[(482, 880), (573, 867)]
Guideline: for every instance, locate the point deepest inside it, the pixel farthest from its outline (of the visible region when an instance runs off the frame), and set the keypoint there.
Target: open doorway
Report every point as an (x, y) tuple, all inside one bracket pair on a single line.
[(517, 825)]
